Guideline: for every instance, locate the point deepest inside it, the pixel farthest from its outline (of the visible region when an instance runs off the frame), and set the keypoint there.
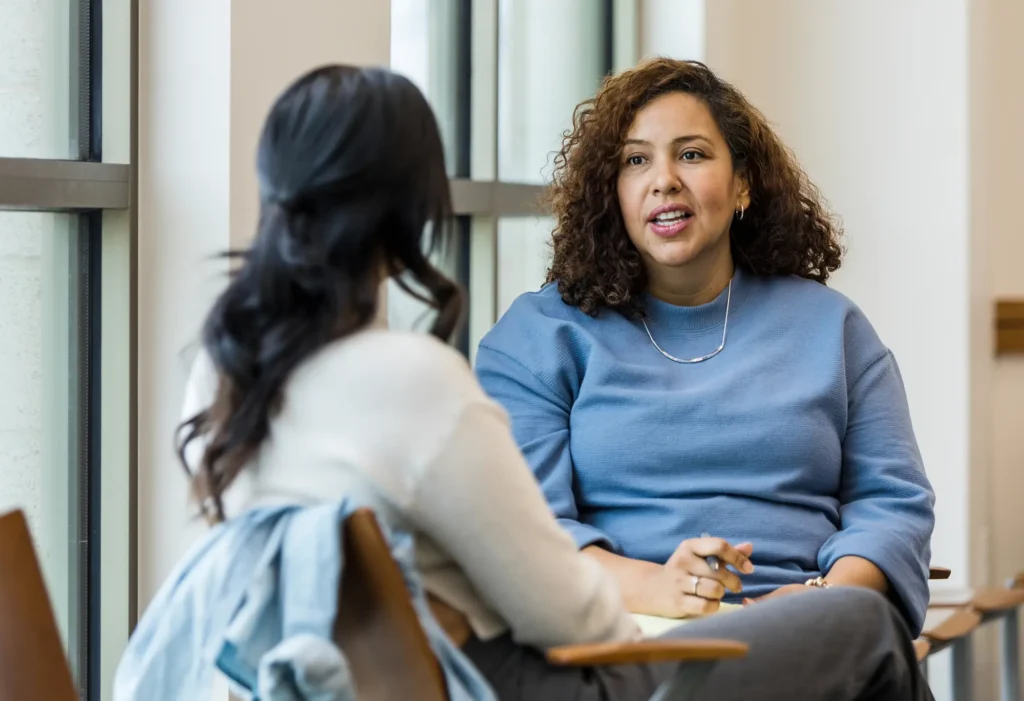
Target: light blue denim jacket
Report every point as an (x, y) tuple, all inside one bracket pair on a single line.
[(257, 598)]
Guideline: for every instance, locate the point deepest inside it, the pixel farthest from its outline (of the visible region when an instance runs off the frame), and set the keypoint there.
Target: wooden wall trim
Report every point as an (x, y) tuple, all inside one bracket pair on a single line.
[(1009, 326)]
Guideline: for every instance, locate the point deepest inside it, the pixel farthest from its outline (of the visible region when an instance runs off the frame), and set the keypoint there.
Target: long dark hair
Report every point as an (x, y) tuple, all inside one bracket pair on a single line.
[(352, 189)]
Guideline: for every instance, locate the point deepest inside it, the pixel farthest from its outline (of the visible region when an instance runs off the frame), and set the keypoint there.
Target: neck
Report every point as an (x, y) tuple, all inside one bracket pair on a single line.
[(692, 285), (380, 319)]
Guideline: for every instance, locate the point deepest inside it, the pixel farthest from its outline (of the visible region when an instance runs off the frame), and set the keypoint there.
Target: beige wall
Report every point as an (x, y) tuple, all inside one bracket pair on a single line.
[(272, 43), (999, 103), (208, 73)]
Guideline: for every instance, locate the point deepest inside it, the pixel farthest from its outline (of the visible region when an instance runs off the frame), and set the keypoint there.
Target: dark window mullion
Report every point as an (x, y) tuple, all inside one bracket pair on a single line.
[(608, 36), (87, 18), (92, 475), (463, 149)]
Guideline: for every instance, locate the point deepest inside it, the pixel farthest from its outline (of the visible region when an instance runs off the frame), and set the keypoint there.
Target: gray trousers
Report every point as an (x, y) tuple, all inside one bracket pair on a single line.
[(844, 644)]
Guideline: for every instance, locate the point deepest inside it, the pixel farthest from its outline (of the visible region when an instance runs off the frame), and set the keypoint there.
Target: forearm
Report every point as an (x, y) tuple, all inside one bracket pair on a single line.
[(852, 571), (631, 575)]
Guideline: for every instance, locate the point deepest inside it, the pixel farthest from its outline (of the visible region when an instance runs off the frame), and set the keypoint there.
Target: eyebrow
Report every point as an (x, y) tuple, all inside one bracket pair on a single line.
[(675, 142)]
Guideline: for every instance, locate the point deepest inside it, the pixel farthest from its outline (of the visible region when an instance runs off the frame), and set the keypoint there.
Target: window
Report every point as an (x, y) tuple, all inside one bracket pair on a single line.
[(37, 81), (503, 77), (44, 292), (65, 291)]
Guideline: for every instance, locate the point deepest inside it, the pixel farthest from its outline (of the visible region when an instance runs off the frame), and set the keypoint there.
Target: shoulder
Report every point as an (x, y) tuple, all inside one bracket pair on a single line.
[(812, 300), (809, 295), (544, 335), (541, 320), (822, 310), (201, 386), (543, 307), (409, 367)]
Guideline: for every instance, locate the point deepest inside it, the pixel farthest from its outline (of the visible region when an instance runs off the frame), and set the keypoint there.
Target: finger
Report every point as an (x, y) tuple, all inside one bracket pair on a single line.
[(696, 606), (708, 588), (697, 566), (717, 547), (689, 565)]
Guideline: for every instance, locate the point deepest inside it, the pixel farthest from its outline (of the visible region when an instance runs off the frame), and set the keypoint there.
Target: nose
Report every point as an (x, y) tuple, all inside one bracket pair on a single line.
[(666, 179)]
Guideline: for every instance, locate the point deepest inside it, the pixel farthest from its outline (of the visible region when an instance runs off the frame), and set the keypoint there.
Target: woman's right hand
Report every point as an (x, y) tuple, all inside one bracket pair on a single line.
[(687, 586)]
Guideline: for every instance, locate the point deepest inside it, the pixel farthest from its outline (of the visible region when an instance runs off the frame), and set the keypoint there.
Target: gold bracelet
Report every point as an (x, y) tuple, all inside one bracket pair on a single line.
[(818, 582)]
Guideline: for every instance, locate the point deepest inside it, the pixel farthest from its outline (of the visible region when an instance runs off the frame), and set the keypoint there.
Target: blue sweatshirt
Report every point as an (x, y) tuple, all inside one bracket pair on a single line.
[(796, 437)]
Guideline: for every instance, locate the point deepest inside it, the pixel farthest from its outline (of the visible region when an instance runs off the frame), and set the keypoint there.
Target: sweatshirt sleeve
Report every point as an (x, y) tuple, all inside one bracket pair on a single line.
[(478, 498), (886, 500), (539, 410)]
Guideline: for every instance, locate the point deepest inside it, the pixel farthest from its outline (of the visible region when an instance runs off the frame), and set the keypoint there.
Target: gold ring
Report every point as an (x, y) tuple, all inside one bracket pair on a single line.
[(696, 581)]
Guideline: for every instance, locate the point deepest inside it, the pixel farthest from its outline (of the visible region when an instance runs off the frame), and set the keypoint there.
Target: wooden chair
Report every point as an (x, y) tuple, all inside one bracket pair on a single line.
[(32, 661), (391, 659), (953, 628), (984, 605), (923, 646)]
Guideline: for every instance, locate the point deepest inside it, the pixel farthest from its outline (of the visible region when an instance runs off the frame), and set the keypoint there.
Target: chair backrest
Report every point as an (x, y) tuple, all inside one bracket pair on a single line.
[(377, 627), (32, 661)]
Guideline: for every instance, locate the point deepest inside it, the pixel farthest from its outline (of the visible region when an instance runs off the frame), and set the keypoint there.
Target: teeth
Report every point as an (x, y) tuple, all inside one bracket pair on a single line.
[(669, 217)]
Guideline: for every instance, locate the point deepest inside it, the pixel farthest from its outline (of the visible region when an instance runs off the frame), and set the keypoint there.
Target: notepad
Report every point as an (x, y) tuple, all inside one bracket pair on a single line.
[(654, 626)]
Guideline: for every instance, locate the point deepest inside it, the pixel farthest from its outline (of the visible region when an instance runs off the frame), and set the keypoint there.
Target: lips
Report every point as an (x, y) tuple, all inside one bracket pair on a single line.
[(670, 219)]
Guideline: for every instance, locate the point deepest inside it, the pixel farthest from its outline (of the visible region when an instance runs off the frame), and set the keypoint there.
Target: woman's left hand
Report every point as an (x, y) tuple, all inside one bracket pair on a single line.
[(781, 591)]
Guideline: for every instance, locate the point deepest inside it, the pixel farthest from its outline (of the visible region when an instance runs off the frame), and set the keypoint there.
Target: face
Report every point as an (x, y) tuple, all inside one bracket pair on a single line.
[(677, 187)]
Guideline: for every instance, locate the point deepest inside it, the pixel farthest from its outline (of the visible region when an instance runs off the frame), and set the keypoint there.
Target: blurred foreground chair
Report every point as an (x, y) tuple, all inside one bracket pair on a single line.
[(391, 660), (32, 661)]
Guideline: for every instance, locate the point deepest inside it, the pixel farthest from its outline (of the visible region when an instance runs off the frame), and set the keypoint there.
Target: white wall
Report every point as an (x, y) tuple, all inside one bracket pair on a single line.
[(184, 118), (673, 28), (208, 73)]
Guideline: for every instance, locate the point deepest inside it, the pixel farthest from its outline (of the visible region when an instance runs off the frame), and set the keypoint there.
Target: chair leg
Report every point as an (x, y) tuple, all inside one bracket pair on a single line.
[(1010, 653), (685, 683), (963, 668)]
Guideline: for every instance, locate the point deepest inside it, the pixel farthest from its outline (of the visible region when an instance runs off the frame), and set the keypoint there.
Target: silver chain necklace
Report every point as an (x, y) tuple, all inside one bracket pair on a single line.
[(701, 359)]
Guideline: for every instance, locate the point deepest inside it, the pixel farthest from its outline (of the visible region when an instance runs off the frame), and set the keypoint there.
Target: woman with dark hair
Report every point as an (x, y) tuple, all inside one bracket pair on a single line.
[(301, 396), (687, 371)]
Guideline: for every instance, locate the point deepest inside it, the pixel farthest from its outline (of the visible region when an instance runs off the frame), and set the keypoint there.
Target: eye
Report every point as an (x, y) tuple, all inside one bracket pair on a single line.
[(635, 160), (692, 155)]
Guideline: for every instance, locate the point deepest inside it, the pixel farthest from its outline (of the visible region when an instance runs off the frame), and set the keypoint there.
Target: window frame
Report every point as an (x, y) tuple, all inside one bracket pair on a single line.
[(480, 197), (100, 198)]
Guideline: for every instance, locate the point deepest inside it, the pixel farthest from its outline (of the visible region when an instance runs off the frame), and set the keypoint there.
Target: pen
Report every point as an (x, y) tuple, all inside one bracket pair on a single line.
[(710, 559)]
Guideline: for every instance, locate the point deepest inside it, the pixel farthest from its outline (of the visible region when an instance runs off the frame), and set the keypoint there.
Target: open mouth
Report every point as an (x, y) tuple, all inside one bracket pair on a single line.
[(669, 220)]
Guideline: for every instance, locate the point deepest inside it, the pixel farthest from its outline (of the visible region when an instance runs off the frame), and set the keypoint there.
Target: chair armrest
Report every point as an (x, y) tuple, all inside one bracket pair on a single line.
[(993, 600), (921, 648), (938, 573), (646, 651), (946, 625)]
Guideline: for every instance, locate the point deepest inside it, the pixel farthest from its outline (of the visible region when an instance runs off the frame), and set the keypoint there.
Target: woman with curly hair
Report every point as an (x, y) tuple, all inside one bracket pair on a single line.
[(686, 370)]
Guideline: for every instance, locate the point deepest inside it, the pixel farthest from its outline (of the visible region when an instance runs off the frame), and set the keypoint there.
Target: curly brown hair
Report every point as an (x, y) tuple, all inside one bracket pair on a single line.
[(788, 228)]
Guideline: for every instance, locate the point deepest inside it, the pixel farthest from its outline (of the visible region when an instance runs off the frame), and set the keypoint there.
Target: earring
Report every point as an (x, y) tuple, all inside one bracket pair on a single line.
[(739, 213)]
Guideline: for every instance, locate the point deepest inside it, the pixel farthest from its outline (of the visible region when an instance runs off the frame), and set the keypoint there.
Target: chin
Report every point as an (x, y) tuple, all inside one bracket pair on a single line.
[(675, 255)]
